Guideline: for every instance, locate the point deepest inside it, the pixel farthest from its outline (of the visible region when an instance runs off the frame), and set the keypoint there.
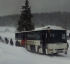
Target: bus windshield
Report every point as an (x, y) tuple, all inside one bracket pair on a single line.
[(57, 36)]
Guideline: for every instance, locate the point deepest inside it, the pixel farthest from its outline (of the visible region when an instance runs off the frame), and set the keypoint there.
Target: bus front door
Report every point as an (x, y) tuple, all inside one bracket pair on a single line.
[(44, 43)]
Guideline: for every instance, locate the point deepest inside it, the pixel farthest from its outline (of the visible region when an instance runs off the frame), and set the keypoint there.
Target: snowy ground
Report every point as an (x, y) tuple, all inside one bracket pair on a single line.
[(18, 55)]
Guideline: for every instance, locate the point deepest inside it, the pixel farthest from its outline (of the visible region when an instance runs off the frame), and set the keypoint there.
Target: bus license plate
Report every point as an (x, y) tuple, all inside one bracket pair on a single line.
[(60, 51)]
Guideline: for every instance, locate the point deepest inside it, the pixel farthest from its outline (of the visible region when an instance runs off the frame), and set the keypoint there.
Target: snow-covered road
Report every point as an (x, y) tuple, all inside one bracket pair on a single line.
[(18, 55)]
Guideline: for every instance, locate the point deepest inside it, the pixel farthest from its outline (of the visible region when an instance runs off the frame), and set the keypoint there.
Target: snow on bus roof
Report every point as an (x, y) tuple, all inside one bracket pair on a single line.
[(50, 27)]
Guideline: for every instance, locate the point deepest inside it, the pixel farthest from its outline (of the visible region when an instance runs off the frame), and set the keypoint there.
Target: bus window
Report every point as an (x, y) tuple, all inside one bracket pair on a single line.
[(19, 36), (57, 36), (31, 36), (34, 36), (23, 36), (63, 36), (38, 35), (53, 35), (46, 35)]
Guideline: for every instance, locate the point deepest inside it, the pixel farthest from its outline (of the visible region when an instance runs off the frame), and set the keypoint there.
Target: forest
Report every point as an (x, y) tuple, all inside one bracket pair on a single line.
[(40, 19)]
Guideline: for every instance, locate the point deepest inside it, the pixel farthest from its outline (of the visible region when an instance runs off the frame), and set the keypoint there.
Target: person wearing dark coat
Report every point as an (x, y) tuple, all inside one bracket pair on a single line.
[(1, 40), (6, 41), (11, 42), (0, 37), (17, 43)]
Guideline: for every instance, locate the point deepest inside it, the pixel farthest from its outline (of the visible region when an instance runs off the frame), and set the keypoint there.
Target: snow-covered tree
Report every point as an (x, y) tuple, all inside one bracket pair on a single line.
[(25, 22)]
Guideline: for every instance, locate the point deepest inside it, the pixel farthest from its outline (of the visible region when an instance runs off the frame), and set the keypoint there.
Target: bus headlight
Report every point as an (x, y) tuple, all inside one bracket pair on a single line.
[(50, 49)]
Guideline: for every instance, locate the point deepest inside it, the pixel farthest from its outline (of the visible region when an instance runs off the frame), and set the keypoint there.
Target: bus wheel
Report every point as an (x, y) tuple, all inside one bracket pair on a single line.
[(66, 53), (55, 53), (38, 49)]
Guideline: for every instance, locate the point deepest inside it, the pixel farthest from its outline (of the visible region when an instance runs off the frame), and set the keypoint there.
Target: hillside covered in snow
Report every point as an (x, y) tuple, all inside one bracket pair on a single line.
[(19, 55)]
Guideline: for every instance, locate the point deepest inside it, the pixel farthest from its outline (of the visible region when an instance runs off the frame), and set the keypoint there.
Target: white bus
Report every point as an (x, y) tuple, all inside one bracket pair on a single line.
[(47, 41)]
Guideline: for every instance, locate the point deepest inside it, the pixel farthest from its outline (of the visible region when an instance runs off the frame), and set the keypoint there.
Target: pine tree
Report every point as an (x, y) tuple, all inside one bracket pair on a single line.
[(25, 22)]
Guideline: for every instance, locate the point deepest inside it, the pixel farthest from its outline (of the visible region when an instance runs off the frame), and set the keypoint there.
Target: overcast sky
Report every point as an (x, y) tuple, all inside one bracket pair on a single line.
[(37, 6)]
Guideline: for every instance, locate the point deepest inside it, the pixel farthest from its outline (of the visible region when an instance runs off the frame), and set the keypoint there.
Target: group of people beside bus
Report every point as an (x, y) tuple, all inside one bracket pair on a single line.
[(20, 44), (17, 43), (6, 40)]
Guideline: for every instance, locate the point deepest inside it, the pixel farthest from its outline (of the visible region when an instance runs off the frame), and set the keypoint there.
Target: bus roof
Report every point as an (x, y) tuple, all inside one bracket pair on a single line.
[(49, 27), (43, 28)]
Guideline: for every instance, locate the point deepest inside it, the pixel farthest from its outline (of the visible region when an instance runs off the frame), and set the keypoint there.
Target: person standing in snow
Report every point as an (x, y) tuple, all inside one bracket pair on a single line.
[(6, 40), (17, 43), (11, 42), (1, 39)]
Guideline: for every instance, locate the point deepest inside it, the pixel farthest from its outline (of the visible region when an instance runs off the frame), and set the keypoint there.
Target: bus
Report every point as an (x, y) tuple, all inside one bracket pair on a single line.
[(46, 41)]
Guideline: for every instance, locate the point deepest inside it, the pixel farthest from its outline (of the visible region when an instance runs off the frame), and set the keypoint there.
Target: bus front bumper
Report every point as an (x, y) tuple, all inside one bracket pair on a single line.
[(55, 51)]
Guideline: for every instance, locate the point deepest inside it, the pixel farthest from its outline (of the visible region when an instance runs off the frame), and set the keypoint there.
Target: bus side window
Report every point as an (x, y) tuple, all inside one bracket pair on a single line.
[(46, 35), (53, 35), (31, 36), (28, 36), (38, 35), (63, 36), (23, 36)]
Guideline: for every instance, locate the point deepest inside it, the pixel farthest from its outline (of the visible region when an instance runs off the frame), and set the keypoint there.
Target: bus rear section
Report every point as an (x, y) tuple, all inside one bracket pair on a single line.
[(54, 42), (20, 39)]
